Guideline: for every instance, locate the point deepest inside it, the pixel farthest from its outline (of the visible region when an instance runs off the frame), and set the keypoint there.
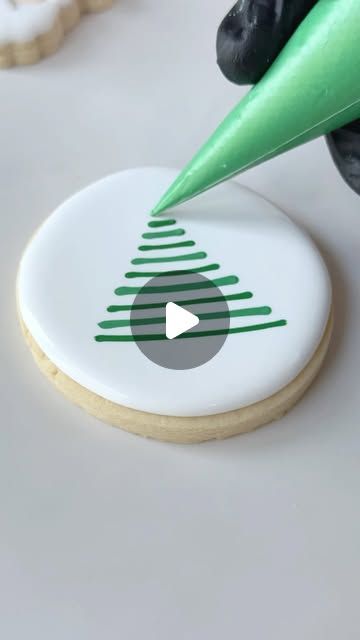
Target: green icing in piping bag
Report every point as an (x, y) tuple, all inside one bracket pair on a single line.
[(312, 88)]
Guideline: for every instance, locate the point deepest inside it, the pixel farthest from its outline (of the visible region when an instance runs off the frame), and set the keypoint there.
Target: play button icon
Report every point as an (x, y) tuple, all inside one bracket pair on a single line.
[(178, 320)]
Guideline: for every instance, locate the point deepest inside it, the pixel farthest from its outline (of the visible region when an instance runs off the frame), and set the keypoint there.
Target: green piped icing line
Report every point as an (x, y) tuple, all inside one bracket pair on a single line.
[(187, 286), (199, 255), (152, 235), (114, 308), (195, 334), (171, 245), (178, 288), (165, 274), (216, 315), (153, 224)]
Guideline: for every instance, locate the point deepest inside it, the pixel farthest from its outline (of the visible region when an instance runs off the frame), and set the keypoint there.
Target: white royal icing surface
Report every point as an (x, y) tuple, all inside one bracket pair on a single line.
[(76, 260), (23, 22)]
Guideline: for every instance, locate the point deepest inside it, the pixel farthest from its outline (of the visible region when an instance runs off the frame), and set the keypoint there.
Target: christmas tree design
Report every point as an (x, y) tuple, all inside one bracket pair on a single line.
[(151, 257)]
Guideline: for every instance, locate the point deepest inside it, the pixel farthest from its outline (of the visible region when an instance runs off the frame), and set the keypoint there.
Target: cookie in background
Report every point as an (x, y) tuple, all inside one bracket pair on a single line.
[(34, 29)]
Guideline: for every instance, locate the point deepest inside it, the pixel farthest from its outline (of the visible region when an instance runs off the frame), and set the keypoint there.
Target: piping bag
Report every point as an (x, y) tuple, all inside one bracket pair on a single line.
[(312, 88)]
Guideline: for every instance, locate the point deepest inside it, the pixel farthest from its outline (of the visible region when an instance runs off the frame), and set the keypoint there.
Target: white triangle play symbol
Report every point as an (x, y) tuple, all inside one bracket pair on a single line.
[(178, 320)]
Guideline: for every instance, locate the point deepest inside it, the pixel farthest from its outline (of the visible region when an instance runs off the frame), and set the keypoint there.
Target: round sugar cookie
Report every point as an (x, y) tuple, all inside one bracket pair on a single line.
[(83, 270)]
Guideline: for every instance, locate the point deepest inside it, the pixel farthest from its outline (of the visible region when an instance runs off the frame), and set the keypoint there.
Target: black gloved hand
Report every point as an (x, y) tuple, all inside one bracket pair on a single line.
[(249, 39)]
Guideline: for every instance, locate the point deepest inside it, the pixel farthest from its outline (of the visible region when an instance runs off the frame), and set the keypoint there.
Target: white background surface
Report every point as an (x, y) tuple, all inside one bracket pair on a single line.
[(104, 534)]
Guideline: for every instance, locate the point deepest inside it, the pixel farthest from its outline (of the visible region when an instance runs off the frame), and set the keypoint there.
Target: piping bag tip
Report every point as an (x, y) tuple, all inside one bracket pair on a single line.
[(157, 210), (175, 194), (160, 207)]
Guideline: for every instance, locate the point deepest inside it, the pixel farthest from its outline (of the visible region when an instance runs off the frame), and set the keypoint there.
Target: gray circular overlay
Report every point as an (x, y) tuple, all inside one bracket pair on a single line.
[(193, 292)]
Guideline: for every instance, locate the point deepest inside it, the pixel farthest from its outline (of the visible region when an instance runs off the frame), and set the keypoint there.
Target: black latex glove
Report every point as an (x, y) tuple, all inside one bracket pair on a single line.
[(249, 39)]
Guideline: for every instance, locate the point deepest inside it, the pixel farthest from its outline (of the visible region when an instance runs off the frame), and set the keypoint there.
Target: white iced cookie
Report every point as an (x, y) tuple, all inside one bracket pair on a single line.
[(33, 29), (82, 269)]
